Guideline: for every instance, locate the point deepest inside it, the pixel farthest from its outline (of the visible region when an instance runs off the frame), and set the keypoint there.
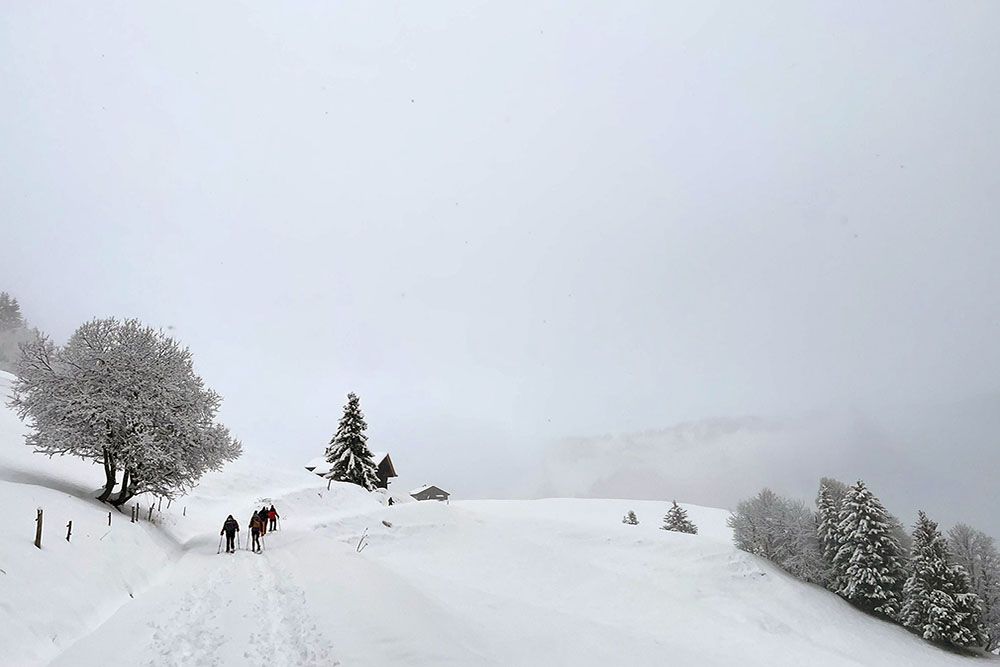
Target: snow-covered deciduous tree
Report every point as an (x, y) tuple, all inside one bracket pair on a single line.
[(631, 519), (348, 455), (126, 396), (977, 554), (781, 530), (937, 601), (868, 562), (677, 520)]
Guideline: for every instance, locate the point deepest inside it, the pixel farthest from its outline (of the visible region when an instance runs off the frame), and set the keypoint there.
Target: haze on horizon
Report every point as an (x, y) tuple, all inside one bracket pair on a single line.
[(505, 224)]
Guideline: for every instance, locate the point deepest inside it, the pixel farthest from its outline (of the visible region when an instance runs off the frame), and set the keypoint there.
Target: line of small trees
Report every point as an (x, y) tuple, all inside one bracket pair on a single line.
[(947, 590), (126, 396)]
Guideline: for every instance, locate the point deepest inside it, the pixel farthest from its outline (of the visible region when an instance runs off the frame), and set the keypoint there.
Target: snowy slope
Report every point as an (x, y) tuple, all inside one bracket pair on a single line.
[(542, 582)]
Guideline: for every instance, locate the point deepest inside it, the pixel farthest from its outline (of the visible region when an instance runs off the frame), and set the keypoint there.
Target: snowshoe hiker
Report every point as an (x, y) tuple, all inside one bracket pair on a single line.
[(230, 528), (263, 520), (255, 530), (272, 515)]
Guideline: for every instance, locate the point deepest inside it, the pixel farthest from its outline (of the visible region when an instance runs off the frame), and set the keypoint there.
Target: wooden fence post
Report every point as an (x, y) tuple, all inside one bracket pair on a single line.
[(169, 500), (150, 517), (109, 518), (185, 510), (69, 530), (38, 529), (159, 505)]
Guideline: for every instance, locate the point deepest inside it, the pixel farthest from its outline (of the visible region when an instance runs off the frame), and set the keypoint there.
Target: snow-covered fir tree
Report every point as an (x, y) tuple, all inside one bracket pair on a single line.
[(126, 396), (14, 332), (348, 455), (631, 519), (677, 520), (976, 552), (10, 313), (827, 531), (937, 601), (868, 562)]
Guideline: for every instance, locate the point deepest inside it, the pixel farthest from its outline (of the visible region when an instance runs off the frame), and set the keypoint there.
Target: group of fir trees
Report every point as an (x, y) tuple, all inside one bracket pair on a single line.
[(920, 585), (947, 591), (348, 454), (125, 396)]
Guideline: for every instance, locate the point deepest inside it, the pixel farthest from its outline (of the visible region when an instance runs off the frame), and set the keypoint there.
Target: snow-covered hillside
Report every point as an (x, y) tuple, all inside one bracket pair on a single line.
[(543, 582)]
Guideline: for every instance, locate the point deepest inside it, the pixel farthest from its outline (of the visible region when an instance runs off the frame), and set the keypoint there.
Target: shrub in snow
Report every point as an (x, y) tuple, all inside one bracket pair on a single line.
[(977, 554), (677, 520), (631, 519), (781, 530), (868, 561), (348, 455), (126, 396), (937, 601)]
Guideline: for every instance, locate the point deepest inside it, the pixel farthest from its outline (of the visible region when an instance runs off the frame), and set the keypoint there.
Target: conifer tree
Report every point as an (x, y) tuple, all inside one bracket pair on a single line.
[(827, 530), (348, 455), (631, 519), (976, 552), (937, 601), (677, 521), (10, 313), (868, 560)]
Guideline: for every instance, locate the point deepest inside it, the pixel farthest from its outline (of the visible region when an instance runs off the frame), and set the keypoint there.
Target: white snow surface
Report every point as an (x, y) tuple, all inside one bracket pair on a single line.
[(539, 582)]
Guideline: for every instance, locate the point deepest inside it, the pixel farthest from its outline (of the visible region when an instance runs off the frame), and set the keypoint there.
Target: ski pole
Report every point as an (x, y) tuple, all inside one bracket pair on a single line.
[(220, 546)]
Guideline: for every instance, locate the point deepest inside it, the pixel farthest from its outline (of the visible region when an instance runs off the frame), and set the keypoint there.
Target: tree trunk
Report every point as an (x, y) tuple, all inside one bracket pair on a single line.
[(109, 476), (126, 493)]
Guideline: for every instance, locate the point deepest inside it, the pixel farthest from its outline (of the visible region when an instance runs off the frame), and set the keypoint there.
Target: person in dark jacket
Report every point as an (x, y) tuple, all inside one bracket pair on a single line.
[(255, 530), (272, 515), (230, 528), (263, 520)]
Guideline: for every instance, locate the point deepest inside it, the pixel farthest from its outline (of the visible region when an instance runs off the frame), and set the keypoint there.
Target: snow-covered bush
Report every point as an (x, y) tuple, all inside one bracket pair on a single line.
[(783, 531), (348, 454), (937, 601), (631, 519), (127, 396), (677, 520)]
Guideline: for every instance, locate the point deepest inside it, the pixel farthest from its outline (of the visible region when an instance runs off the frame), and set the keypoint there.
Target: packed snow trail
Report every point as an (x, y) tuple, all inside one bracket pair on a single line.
[(225, 609)]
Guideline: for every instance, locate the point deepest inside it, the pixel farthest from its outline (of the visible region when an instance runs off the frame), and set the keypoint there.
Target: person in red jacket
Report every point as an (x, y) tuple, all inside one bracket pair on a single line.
[(272, 515)]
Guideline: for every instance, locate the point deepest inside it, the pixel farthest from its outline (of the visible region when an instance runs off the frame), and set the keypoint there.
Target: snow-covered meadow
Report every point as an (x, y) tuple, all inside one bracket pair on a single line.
[(541, 582)]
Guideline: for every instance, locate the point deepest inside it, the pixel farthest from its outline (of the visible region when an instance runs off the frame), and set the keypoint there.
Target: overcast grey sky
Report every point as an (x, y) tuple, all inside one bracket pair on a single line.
[(506, 222)]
